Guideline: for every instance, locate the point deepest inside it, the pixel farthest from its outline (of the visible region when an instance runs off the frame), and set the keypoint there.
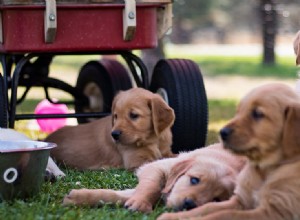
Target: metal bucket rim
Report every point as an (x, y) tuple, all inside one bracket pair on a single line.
[(47, 145)]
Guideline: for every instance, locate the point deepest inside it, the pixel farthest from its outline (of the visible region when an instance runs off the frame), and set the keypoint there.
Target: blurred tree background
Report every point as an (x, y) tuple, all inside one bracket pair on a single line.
[(233, 21), (219, 19)]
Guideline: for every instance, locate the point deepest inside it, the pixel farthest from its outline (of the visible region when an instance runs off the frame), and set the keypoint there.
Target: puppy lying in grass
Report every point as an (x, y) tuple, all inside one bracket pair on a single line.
[(185, 182), (138, 131)]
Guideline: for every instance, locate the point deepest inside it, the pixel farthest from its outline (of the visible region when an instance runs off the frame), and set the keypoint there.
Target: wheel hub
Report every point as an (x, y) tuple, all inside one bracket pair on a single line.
[(95, 96), (163, 93)]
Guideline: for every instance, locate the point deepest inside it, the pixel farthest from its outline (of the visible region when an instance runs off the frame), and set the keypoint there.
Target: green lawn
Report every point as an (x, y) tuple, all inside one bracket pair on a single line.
[(47, 204), (249, 66)]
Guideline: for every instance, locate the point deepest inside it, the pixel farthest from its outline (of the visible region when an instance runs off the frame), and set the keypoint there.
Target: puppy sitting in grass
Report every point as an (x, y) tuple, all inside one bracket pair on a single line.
[(138, 131)]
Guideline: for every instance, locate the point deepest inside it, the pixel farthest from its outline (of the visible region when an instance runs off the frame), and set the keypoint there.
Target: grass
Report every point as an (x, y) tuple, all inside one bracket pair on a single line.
[(47, 204), (220, 111), (246, 66)]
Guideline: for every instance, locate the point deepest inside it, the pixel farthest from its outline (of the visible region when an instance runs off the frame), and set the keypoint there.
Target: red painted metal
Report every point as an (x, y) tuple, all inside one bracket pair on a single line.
[(93, 27)]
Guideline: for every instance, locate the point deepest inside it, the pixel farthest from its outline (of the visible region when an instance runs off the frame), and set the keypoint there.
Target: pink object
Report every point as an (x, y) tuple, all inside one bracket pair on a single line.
[(51, 124)]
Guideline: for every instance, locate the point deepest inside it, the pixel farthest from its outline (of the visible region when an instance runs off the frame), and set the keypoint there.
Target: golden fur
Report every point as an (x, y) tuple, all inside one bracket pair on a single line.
[(144, 122), (297, 47), (266, 130), (212, 168)]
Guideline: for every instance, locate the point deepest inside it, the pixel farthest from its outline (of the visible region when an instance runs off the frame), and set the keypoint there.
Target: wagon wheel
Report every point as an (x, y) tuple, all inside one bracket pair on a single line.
[(100, 81), (180, 83), (3, 107)]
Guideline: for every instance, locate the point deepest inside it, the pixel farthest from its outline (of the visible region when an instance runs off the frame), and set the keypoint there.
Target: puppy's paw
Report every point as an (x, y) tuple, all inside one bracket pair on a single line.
[(54, 169), (49, 176), (77, 197), (52, 177), (137, 204), (71, 198)]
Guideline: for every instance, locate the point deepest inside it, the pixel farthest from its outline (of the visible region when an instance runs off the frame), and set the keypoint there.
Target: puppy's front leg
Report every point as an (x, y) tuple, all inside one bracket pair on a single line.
[(152, 178), (94, 197), (204, 210), (53, 169), (144, 197)]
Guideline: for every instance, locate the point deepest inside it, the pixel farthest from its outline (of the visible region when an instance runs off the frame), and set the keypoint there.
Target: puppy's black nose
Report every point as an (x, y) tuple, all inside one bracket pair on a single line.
[(225, 133), (116, 134), (188, 204)]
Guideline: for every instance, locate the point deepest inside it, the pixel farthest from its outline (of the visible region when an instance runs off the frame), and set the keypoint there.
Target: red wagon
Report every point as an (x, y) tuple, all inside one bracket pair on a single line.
[(32, 32)]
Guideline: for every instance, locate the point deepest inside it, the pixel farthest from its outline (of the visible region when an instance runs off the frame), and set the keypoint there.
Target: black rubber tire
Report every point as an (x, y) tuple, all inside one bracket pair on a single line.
[(182, 81), (3, 107), (107, 77)]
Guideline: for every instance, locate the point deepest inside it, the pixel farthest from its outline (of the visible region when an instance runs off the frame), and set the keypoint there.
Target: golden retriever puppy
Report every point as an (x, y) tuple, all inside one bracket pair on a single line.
[(266, 130), (297, 47), (185, 182), (138, 131)]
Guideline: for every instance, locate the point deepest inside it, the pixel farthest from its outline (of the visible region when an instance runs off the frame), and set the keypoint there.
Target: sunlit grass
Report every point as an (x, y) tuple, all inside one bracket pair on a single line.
[(220, 112), (249, 66), (212, 65)]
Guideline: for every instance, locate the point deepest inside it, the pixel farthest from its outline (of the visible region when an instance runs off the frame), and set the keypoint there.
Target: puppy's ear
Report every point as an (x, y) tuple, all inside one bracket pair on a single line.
[(116, 98), (291, 137), (228, 183), (298, 54), (297, 47), (177, 171), (162, 115)]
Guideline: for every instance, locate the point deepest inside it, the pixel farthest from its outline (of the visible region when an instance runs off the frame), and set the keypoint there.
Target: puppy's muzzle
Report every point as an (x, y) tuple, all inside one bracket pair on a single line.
[(188, 204), (116, 134), (225, 133)]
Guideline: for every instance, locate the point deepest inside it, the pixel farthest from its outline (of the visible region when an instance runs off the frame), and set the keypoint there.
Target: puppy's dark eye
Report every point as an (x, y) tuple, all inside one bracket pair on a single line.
[(133, 116), (115, 116), (257, 114), (194, 180)]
